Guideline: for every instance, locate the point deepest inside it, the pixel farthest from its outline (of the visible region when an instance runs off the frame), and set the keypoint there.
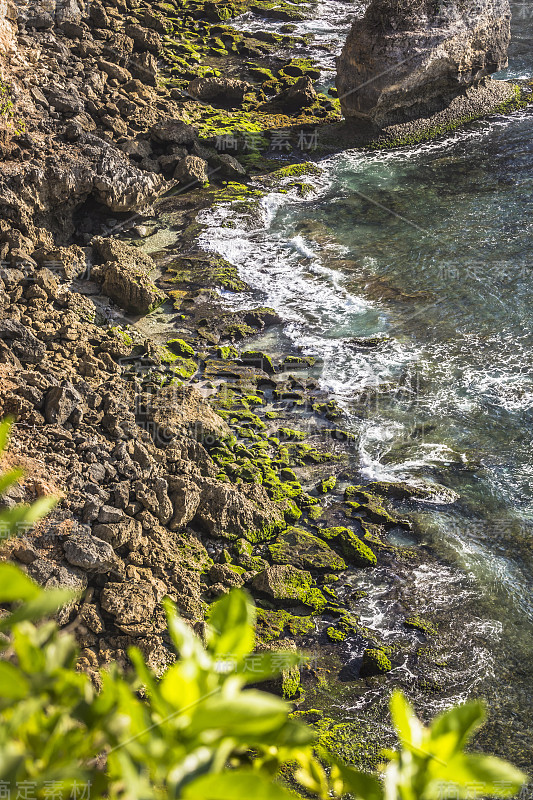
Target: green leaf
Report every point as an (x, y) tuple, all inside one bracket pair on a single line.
[(231, 625), (461, 721), (9, 478), (45, 604), (361, 785), (23, 517), (5, 427), (13, 684), (260, 666), (249, 713), (15, 585), (408, 727), (235, 786), (471, 776), (187, 644)]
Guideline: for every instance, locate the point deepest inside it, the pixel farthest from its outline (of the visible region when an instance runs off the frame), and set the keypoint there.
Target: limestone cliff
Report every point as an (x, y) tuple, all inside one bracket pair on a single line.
[(409, 58)]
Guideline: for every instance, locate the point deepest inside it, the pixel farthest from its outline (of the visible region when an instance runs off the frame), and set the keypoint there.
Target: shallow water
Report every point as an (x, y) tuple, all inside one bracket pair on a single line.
[(431, 246)]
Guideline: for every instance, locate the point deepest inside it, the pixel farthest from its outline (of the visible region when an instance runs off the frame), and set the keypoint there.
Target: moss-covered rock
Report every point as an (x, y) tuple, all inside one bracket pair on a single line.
[(336, 634), (302, 549), (356, 551), (327, 484), (259, 360), (286, 583), (375, 662), (299, 361), (271, 625), (420, 624), (227, 352), (371, 504), (180, 348), (290, 435)]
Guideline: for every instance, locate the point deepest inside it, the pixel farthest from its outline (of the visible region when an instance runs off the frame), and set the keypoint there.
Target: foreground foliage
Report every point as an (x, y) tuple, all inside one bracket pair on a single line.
[(198, 733)]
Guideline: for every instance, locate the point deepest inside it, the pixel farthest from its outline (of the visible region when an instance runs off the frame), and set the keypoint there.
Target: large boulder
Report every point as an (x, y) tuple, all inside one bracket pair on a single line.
[(220, 90), (409, 59), (293, 586), (233, 512), (191, 170), (301, 549)]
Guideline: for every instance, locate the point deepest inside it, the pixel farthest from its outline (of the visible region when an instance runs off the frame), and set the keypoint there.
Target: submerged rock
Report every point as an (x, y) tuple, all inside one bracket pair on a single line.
[(410, 59)]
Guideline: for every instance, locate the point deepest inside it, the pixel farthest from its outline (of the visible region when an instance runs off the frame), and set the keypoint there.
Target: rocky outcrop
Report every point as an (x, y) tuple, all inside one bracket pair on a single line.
[(125, 276), (410, 59)]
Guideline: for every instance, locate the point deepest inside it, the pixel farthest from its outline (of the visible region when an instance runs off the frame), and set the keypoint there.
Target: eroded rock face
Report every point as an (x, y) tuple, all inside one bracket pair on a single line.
[(407, 59), (125, 276)]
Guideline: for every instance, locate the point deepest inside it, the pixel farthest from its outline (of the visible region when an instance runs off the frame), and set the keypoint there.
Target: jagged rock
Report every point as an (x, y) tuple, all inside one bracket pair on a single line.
[(63, 404), (228, 167), (185, 499), (137, 148), (89, 553), (174, 131), (90, 614), (222, 90), (143, 66), (192, 170), (144, 38), (183, 409), (120, 74), (119, 185), (232, 512), (110, 515), (224, 574), (130, 603), (301, 95), (21, 341), (67, 102), (125, 276), (405, 60)]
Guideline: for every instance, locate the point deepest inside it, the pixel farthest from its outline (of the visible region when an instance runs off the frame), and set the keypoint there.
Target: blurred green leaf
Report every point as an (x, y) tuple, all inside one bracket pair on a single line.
[(231, 625), (249, 713), (475, 775), (43, 605), (461, 721), (15, 585), (235, 786), (14, 684), (408, 727)]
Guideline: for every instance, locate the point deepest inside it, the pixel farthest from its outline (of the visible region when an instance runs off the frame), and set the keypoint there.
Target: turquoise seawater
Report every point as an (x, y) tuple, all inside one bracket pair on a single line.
[(431, 246)]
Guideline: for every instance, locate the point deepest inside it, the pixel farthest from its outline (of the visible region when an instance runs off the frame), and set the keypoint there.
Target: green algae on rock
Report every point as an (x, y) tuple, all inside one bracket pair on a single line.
[(181, 348), (375, 662), (300, 548), (284, 582), (327, 484)]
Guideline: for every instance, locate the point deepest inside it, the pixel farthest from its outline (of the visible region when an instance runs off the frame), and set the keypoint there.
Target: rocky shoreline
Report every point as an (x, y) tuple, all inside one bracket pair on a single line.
[(188, 459)]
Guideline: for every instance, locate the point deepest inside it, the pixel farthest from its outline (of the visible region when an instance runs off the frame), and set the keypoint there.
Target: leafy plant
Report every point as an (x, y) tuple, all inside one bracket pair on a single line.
[(198, 733)]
